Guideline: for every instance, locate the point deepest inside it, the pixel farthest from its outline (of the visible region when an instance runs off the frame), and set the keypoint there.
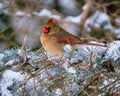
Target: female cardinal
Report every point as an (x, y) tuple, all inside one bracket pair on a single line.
[(54, 38)]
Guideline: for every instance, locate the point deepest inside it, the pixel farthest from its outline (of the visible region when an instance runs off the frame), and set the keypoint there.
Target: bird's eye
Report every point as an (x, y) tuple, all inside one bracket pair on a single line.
[(46, 29)]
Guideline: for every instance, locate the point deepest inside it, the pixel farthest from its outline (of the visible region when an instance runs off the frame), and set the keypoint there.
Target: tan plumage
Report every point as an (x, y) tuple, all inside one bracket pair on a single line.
[(54, 38)]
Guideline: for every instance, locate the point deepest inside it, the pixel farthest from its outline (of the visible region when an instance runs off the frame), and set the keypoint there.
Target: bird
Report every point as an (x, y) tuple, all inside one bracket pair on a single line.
[(53, 38)]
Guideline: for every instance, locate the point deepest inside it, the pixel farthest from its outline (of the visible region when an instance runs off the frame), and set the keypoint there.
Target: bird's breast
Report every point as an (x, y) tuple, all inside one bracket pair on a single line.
[(51, 44)]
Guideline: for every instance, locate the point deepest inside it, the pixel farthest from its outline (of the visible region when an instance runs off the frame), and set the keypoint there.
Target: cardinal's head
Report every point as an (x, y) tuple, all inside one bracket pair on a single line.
[(49, 27)]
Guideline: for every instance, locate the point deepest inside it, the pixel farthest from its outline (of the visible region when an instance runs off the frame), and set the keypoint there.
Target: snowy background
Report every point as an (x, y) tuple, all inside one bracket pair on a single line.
[(26, 70)]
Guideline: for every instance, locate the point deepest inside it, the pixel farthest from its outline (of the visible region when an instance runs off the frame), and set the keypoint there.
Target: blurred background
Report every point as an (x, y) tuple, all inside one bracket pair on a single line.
[(99, 19)]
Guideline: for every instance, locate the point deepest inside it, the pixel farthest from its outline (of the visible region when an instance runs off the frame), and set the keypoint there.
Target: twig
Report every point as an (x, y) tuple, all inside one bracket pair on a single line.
[(25, 53), (68, 86), (85, 15)]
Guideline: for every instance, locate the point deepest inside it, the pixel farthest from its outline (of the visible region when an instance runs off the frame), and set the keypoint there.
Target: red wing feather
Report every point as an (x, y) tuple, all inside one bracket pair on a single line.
[(73, 41), (68, 40)]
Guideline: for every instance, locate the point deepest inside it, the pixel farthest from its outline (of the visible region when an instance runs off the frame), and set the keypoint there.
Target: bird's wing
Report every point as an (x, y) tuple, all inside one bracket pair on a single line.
[(76, 41), (69, 40)]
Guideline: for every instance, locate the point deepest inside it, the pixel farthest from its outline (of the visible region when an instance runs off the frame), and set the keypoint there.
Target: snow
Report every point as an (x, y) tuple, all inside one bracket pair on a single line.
[(71, 4), (82, 54), (11, 75), (69, 7), (10, 62), (118, 20), (74, 19), (1, 56), (1, 5), (71, 70), (117, 31), (84, 7), (8, 78), (99, 18), (58, 91), (57, 59), (43, 12), (113, 51), (20, 13), (56, 17), (47, 13), (96, 20), (67, 50), (108, 82)]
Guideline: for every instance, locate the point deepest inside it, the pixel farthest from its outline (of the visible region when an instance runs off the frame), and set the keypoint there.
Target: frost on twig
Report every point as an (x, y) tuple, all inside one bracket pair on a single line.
[(89, 68)]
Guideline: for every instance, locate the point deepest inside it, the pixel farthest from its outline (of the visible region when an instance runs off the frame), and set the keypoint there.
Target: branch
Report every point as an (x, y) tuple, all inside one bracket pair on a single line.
[(85, 15)]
